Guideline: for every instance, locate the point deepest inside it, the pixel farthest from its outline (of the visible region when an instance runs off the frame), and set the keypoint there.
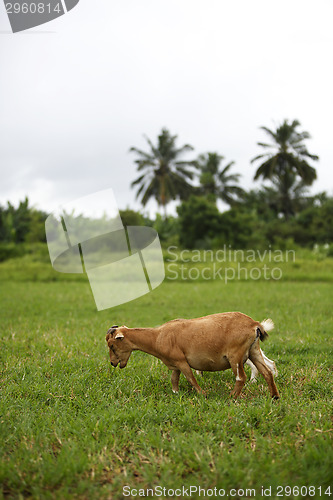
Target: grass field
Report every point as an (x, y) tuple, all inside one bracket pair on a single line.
[(71, 426)]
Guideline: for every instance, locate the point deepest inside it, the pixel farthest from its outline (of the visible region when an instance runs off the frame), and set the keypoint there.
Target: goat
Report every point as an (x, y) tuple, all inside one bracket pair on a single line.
[(209, 343), (268, 362), (254, 372)]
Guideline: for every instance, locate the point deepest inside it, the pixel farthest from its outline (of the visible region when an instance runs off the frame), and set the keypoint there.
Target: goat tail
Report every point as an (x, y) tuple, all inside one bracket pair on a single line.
[(264, 327)]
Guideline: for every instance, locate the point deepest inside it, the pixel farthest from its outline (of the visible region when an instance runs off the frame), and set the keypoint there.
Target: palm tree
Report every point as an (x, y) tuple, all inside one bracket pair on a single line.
[(216, 183), (289, 193), (164, 177), (286, 165)]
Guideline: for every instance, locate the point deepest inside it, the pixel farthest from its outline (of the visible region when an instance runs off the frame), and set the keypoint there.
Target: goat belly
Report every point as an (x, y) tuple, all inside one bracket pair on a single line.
[(206, 363)]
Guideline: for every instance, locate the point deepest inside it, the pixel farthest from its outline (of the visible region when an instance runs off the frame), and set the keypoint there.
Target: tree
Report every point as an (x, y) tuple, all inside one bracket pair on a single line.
[(132, 218), (164, 176), (36, 232), (288, 193), (199, 222), (216, 183), (17, 222), (22, 224), (286, 164), (317, 221)]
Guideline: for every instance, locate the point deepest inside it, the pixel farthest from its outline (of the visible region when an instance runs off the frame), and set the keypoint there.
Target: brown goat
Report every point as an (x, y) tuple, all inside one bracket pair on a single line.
[(210, 343)]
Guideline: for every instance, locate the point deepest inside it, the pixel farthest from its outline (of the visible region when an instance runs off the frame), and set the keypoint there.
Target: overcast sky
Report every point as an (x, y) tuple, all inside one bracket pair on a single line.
[(77, 92)]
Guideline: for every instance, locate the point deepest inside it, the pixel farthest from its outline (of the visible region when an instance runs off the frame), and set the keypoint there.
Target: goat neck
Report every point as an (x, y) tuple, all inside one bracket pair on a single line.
[(143, 339)]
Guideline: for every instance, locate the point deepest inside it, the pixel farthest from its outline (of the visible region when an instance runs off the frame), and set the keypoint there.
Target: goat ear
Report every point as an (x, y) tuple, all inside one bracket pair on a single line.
[(108, 336), (119, 336)]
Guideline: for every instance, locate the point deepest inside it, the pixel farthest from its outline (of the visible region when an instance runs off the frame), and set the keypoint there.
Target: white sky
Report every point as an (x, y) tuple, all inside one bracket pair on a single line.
[(78, 92)]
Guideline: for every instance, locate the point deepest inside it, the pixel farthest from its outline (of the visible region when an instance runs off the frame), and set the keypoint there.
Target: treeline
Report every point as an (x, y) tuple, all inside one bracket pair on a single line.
[(252, 223), (20, 228), (280, 213), (284, 162), (22, 224)]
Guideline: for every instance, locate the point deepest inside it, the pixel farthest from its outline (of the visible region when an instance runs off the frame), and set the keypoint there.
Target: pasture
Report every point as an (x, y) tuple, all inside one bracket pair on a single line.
[(71, 426)]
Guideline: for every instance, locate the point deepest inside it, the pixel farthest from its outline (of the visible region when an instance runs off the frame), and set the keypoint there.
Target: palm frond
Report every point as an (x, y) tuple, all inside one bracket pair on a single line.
[(138, 180), (258, 157), (269, 132), (267, 169), (141, 153), (265, 145)]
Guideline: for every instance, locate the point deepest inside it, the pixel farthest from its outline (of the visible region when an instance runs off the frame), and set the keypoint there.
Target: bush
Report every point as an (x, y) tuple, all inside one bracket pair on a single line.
[(10, 251), (167, 229), (131, 217), (199, 222), (38, 251)]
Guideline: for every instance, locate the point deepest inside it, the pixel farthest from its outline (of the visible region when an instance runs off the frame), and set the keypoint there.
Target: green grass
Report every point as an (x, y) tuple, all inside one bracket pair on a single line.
[(71, 426)]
